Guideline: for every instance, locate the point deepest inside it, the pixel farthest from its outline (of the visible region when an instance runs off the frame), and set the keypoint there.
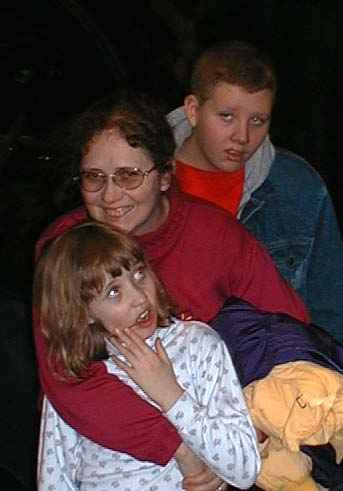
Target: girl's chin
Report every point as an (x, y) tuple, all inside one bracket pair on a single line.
[(145, 332)]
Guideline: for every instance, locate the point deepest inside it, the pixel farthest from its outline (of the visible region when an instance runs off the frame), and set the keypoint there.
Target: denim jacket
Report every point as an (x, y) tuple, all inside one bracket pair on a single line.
[(293, 215), (286, 205)]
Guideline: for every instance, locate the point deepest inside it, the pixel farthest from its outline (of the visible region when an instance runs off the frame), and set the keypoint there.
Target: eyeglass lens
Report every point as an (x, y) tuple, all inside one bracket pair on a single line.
[(125, 178)]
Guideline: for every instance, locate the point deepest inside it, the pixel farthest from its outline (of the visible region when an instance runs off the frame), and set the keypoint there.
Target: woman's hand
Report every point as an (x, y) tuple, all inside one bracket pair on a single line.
[(198, 477), (153, 372), (188, 462), (205, 481)]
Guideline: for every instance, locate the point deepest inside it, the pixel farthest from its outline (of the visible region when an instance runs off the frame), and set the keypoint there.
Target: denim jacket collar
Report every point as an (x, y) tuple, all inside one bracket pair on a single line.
[(257, 169)]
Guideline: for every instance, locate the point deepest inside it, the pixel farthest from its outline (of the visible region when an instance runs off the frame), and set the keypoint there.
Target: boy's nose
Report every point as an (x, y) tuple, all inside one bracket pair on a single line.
[(242, 133)]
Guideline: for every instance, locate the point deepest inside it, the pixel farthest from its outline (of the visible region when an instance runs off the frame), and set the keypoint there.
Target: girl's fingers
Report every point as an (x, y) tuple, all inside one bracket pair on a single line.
[(123, 365), (122, 348), (128, 343), (161, 352), (132, 340), (135, 350)]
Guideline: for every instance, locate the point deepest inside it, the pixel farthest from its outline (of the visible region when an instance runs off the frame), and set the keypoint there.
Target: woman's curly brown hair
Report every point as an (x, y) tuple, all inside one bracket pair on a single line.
[(138, 117)]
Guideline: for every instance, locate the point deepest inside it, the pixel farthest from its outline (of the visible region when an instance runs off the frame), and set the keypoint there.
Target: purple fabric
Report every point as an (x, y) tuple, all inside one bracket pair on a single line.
[(325, 471), (258, 341)]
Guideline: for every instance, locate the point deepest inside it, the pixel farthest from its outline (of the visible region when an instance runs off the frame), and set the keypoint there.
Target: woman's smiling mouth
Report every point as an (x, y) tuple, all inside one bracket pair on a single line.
[(118, 212)]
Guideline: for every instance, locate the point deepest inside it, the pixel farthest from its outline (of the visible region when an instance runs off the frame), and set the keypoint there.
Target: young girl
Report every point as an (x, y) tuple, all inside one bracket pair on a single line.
[(99, 300)]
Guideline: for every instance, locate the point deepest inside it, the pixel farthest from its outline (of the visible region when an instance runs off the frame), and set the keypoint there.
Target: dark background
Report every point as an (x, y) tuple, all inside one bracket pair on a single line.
[(57, 55)]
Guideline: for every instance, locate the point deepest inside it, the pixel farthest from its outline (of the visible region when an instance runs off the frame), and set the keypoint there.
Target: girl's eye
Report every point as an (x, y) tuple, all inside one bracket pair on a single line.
[(139, 274), (113, 292)]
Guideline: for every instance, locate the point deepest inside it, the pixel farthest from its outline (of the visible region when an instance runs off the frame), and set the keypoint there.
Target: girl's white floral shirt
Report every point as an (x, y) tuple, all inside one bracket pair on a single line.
[(211, 416)]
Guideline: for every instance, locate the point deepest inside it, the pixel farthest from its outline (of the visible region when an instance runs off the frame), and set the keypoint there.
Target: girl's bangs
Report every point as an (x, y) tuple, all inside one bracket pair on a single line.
[(106, 257)]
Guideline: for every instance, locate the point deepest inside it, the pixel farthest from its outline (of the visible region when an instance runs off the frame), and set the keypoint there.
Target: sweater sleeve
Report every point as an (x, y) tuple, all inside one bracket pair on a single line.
[(214, 421), (255, 279), (107, 411)]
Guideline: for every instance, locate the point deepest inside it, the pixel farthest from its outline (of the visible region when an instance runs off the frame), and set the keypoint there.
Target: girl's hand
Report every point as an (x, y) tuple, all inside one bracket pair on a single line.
[(153, 372)]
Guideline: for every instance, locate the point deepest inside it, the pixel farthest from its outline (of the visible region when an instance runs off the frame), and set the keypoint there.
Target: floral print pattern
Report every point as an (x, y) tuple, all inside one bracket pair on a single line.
[(211, 417)]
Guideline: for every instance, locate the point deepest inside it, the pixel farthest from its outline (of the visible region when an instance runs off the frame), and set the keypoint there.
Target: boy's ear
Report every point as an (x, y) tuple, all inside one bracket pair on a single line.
[(191, 108)]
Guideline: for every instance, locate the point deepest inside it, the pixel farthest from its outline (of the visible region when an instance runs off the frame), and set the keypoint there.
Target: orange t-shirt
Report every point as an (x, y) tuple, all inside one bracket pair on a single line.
[(222, 188)]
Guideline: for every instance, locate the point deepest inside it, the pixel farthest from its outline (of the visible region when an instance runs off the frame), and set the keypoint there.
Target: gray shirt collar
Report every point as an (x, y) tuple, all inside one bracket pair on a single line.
[(256, 168)]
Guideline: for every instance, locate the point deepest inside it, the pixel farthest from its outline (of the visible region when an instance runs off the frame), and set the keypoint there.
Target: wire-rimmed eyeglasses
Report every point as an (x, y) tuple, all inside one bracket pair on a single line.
[(94, 180)]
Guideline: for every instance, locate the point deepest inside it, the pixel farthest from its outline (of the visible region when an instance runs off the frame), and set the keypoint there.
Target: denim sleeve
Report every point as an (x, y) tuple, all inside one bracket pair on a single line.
[(324, 286)]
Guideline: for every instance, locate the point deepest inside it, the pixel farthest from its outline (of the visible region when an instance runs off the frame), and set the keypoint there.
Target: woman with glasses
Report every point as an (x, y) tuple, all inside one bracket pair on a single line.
[(120, 151), (122, 183)]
